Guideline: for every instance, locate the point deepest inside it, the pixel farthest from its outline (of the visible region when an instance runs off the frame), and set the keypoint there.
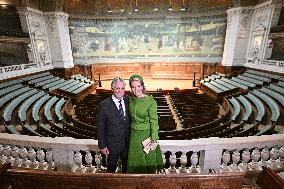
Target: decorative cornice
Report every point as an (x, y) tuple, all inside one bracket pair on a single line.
[(56, 14), (240, 10)]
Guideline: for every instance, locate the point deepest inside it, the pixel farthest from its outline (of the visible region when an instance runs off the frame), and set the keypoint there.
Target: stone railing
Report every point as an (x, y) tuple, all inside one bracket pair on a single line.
[(18, 70), (275, 65), (268, 65), (181, 156)]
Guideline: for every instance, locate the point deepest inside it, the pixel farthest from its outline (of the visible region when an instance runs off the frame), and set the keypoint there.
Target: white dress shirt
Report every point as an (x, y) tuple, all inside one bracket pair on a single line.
[(116, 101)]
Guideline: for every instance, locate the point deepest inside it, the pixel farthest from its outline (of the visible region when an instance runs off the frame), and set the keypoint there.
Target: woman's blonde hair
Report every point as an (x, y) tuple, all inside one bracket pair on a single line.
[(137, 77)]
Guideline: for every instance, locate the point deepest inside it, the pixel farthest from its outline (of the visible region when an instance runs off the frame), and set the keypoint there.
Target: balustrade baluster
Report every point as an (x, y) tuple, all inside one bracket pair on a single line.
[(245, 159), (274, 157), (41, 157), (264, 154), (194, 161), (119, 166), (78, 161), (15, 154), (23, 156), (255, 155), (49, 159), (281, 153), (235, 158), (98, 160), (32, 158), (183, 162), (89, 160), (7, 150), (1, 154), (225, 160), (172, 162)]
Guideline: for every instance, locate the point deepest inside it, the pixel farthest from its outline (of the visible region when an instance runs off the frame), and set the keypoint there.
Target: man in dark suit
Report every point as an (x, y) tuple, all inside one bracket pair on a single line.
[(113, 124)]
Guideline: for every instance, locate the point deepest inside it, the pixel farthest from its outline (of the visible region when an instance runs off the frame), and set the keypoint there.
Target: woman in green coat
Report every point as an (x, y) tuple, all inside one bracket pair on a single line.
[(144, 124)]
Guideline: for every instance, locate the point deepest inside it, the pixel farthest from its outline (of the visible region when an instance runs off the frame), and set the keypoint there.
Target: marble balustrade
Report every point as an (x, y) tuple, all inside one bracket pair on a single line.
[(19, 70), (204, 155)]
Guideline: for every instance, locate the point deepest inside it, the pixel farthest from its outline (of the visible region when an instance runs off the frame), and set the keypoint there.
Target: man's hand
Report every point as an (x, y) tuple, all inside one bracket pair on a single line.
[(105, 151)]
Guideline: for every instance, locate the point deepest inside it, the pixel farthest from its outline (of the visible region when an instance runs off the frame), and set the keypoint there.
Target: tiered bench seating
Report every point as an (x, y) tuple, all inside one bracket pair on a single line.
[(259, 105), (9, 83), (10, 88), (258, 77), (278, 96), (228, 85), (37, 80), (78, 90), (27, 129), (54, 85), (7, 114), (280, 83), (47, 108), (236, 106), (234, 83), (276, 88), (275, 111), (38, 105), (4, 99), (28, 78), (22, 113), (250, 80), (268, 75), (247, 106), (44, 130), (58, 107), (48, 81), (247, 83)]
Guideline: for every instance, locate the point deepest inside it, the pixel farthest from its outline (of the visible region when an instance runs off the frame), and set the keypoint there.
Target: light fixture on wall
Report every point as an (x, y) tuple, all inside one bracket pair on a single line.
[(156, 7), (183, 8), (136, 7), (122, 8), (3, 6), (109, 10), (170, 7)]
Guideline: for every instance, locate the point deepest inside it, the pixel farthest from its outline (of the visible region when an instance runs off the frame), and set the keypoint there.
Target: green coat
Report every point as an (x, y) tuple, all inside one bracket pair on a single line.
[(144, 124)]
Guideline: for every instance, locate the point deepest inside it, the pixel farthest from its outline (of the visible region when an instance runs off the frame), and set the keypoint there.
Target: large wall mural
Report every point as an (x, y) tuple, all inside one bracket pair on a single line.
[(189, 39)]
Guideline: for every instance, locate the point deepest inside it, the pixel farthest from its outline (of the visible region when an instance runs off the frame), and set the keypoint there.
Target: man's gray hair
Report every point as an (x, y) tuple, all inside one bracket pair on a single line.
[(115, 80)]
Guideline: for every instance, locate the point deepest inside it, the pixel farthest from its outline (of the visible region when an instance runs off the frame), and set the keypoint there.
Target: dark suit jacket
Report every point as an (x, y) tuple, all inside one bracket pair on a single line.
[(113, 131)]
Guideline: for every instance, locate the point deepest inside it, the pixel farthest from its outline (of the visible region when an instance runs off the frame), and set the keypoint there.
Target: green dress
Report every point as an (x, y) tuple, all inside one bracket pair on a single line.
[(144, 124)]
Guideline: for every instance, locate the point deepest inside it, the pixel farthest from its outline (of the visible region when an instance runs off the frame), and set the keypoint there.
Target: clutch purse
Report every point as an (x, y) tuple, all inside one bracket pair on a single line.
[(149, 145)]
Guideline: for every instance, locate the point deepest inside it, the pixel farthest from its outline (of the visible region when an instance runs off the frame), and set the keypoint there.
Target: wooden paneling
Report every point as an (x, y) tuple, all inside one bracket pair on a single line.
[(35, 179), (157, 70)]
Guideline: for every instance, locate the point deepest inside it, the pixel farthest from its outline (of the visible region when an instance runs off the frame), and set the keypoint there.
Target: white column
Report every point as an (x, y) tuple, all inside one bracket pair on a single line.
[(238, 24), (59, 39)]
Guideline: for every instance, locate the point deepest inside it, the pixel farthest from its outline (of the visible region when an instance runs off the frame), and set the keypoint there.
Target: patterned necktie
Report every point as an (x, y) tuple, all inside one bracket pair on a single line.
[(121, 110)]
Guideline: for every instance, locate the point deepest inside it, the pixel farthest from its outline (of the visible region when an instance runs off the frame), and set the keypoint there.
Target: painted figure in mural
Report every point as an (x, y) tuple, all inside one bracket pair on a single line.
[(113, 123), (144, 124)]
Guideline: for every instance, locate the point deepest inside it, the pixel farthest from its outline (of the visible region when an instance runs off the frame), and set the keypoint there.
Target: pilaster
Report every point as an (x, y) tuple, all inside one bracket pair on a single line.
[(238, 22), (59, 39)]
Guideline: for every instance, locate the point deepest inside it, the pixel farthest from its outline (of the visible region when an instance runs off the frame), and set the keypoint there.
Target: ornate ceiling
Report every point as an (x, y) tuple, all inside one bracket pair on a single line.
[(103, 7)]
